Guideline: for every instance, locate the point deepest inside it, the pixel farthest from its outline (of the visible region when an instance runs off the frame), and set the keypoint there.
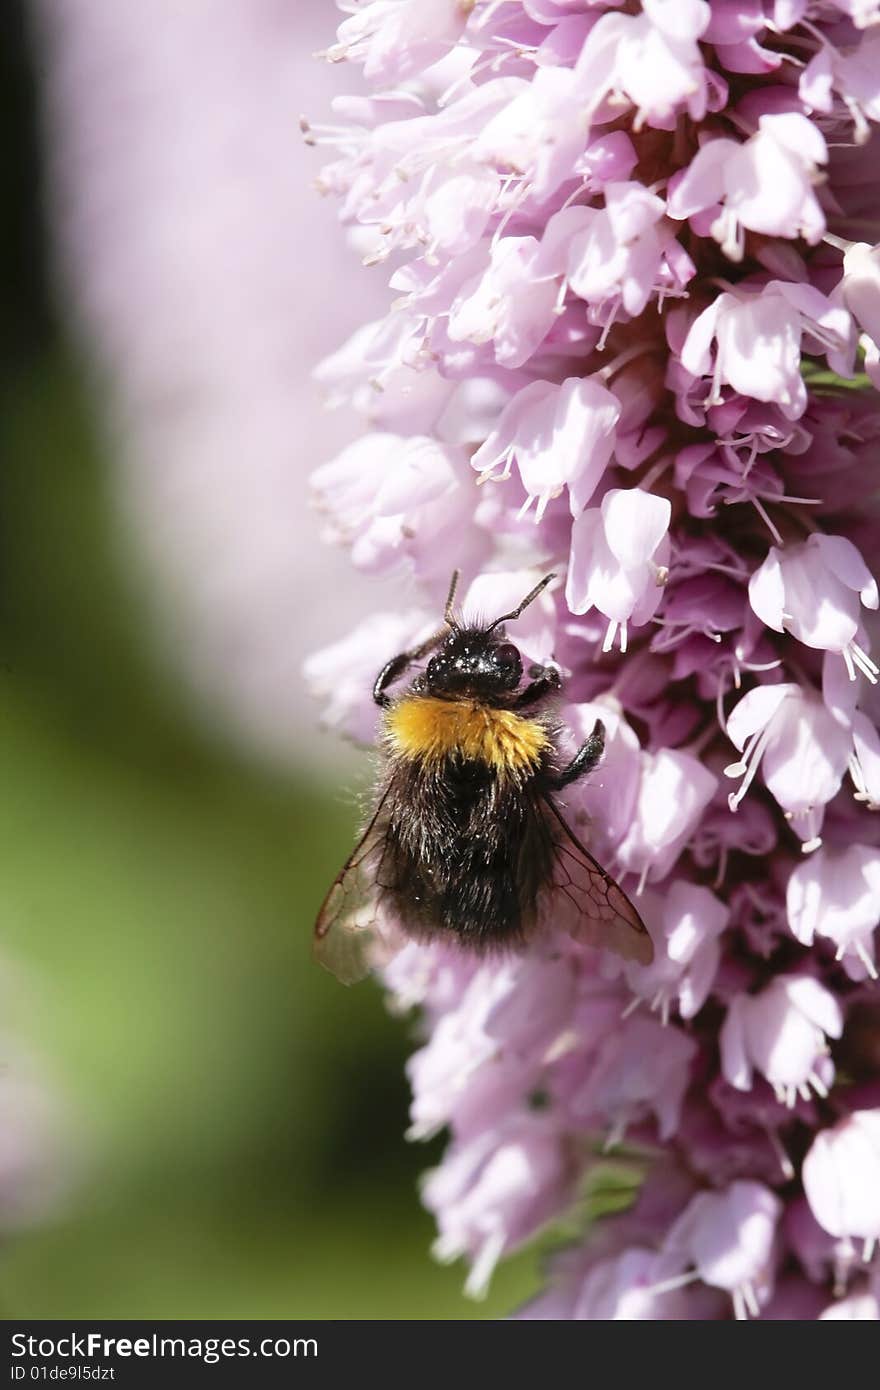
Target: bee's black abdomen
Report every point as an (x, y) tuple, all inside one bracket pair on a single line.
[(462, 857)]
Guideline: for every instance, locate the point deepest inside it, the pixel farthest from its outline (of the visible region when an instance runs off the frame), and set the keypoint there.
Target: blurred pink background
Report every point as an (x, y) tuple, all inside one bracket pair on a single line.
[(207, 277)]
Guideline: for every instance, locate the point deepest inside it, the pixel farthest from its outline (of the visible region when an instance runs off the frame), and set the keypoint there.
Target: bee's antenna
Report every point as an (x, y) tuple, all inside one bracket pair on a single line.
[(529, 598), (450, 599)]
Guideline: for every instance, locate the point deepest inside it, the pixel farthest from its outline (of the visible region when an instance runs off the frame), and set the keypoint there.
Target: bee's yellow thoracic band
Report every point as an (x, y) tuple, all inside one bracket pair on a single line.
[(420, 726)]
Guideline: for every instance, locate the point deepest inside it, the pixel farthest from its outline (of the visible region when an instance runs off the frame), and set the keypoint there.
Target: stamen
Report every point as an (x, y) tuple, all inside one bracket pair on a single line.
[(751, 1300), (616, 1135), (818, 1085), (848, 662), (785, 1163), (678, 1281), (623, 359), (860, 782), (753, 754), (761, 665), (768, 522), (477, 1282), (721, 872), (864, 956), (855, 655)]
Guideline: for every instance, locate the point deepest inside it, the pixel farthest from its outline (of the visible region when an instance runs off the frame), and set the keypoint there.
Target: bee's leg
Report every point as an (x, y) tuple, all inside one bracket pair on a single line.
[(394, 669), (584, 760), (545, 680)]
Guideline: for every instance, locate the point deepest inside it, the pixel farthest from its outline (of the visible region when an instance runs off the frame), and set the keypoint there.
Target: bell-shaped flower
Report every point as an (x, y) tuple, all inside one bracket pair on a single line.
[(631, 1287), (860, 286), (540, 131), (757, 340), (380, 372), (836, 894), (396, 500), (343, 673), (641, 1069), (509, 304), (674, 790), (782, 1032), (814, 590), (396, 38), (652, 59), (624, 251), (841, 1176), (685, 921), (494, 1191), (611, 795), (558, 436), (729, 1237), (447, 1069), (820, 1255), (864, 764), (485, 1051), (803, 749), (765, 185), (619, 560), (847, 74)]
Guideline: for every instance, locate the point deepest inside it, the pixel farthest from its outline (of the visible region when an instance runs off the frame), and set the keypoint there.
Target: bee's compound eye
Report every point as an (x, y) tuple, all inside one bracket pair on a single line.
[(507, 654)]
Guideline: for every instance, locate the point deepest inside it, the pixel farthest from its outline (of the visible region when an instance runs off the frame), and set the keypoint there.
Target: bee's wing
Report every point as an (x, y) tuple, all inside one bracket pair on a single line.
[(349, 913), (602, 913)]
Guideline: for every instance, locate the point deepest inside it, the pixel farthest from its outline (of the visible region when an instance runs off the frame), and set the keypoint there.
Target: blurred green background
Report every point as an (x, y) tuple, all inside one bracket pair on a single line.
[(235, 1143)]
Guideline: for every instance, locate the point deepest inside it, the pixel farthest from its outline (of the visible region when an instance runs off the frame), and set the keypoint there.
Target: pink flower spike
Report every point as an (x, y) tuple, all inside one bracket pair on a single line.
[(619, 560), (630, 249), (836, 894), (841, 1175), (559, 436)]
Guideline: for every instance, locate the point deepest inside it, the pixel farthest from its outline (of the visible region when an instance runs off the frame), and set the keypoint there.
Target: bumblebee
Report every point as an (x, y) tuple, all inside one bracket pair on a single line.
[(467, 842)]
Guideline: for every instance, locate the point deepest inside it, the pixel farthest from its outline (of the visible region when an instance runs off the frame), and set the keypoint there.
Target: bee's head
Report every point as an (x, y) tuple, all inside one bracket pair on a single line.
[(474, 661), (477, 661)]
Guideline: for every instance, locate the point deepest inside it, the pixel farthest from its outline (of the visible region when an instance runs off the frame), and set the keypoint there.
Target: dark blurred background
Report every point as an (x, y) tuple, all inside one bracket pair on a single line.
[(231, 1119)]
